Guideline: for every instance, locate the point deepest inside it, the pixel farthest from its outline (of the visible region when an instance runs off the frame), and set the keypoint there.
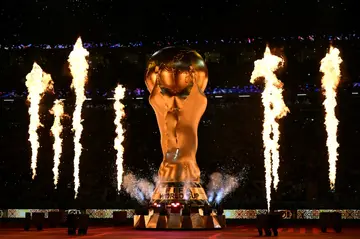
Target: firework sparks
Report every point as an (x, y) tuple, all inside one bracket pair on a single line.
[(274, 108), (37, 82), (119, 114), (330, 66), (79, 70), (56, 130)]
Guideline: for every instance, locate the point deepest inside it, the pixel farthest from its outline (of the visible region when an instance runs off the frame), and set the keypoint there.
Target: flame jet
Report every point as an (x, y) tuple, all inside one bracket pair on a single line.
[(274, 108), (330, 66), (119, 114), (56, 130), (79, 70), (37, 82)]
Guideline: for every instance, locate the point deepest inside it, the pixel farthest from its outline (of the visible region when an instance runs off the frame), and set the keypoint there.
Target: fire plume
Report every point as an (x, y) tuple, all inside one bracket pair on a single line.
[(56, 130), (79, 70), (119, 114), (274, 108), (37, 82), (330, 66)]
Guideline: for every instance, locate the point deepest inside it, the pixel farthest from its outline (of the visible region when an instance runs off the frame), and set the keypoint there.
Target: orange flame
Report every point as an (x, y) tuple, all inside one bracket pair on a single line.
[(119, 113), (79, 70), (56, 130), (274, 108), (37, 82), (330, 66)]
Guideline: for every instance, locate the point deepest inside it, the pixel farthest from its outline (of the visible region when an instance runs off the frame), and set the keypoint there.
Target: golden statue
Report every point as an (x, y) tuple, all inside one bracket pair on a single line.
[(176, 79)]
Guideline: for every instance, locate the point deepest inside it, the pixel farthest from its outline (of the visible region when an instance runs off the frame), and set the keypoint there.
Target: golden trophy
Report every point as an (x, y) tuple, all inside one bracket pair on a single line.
[(176, 79)]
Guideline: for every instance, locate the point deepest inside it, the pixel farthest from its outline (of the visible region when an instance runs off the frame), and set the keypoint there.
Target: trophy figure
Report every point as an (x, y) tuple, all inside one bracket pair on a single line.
[(176, 79)]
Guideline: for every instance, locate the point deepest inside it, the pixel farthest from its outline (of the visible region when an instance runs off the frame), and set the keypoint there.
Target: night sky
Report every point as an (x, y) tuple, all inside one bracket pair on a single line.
[(35, 21)]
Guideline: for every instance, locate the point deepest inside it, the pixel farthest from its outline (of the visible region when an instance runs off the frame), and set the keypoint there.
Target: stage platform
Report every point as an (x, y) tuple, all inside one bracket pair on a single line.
[(130, 233)]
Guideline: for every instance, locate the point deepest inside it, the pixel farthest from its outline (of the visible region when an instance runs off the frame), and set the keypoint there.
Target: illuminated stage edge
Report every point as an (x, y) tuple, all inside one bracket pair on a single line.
[(177, 221), (299, 214)]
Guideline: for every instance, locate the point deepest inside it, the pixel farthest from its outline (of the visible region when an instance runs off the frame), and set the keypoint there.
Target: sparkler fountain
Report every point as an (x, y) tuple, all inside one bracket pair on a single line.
[(176, 79)]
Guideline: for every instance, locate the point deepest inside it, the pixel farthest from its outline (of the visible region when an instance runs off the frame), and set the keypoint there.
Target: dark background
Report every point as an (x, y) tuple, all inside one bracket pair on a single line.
[(230, 131), (50, 21)]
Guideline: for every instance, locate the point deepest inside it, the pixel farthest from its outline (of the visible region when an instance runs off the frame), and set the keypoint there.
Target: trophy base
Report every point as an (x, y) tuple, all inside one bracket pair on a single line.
[(175, 221), (191, 194), (179, 206)]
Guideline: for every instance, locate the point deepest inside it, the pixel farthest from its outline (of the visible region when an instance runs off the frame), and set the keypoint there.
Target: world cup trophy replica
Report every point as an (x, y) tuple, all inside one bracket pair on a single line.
[(176, 78)]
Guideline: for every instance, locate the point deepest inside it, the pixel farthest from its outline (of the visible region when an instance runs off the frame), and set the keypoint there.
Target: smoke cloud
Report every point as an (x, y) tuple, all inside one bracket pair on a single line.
[(220, 186), (139, 189)]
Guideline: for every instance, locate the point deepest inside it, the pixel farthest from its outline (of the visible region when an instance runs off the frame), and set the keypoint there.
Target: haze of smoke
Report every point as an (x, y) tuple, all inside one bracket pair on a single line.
[(214, 185), (186, 190), (156, 180), (130, 185), (220, 186), (139, 189), (230, 184), (146, 187)]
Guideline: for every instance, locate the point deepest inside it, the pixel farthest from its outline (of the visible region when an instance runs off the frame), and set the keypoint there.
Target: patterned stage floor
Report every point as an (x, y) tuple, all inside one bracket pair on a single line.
[(230, 232)]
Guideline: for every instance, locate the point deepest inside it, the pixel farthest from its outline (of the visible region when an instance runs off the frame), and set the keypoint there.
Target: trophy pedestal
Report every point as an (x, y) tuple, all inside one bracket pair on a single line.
[(177, 222), (179, 206), (192, 194)]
